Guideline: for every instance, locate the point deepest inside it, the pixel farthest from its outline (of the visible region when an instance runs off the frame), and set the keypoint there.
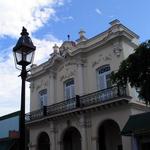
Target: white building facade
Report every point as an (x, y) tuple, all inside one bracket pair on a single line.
[(74, 105)]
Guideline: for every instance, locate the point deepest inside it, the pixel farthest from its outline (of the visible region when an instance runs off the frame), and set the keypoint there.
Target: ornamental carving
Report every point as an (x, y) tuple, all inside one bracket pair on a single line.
[(66, 65), (84, 122), (32, 86), (42, 84), (108, 34), (67, 75), (101, 58), (53, 128), (38, 87), (94, 138), (117, 48)]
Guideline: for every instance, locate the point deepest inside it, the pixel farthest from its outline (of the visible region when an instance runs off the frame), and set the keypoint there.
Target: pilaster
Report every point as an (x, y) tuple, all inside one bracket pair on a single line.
[(85, 124), (51, 88), (80, 79), (53, 132), (126, 143)]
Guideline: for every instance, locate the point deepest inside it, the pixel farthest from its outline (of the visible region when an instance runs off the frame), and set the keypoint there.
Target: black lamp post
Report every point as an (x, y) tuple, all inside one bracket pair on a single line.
[(23, 55)]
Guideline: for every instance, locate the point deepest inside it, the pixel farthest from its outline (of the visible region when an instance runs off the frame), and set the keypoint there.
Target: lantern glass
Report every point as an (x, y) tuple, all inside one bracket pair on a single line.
[(23, 57)]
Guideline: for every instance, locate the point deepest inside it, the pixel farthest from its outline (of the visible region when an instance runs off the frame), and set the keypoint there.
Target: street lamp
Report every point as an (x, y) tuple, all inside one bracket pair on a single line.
[(23, 55)]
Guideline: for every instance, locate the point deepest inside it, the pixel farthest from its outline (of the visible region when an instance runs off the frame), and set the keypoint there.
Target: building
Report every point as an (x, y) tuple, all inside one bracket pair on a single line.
[(74, 105), (9, 131)]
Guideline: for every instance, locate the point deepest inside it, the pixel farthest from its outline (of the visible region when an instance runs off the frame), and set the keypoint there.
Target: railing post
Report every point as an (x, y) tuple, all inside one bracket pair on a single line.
[(118, 90), (45, 110), (77, 101), (124, 91)]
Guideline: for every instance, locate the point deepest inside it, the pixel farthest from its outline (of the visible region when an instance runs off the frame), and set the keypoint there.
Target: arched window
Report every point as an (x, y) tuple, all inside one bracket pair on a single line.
[(103, 77), (43, 97), (69, 87)]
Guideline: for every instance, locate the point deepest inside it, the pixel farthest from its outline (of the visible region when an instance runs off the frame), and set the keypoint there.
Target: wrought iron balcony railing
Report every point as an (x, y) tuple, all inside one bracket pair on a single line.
[(77, 102)]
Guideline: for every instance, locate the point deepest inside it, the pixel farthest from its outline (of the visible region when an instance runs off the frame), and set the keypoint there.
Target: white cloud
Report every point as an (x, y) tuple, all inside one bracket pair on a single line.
[(68, 18), (10, 83), (44, 48), (32, 14), (62, 19), (111, 16), (98, 11), (9, 86)]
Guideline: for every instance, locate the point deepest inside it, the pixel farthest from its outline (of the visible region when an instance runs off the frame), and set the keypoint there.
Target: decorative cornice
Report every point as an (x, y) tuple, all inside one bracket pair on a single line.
[(116, 30)]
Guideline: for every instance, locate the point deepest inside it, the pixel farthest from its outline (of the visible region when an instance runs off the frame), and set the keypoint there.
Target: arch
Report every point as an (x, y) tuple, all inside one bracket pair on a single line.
[(71, 139), (43, 141), (109, 137)]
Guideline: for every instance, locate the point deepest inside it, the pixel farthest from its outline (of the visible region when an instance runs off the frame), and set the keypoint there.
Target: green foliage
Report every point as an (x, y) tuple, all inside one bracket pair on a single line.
[(136, 71)]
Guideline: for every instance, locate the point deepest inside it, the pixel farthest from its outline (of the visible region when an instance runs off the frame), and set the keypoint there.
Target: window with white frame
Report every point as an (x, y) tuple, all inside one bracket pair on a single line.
[(69, 87), (43, 97), (103, 77)]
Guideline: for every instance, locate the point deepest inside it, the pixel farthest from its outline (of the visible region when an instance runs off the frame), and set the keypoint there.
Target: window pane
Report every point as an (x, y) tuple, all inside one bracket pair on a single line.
[(43, 97), (69, 89), (108, 81), (104, 77), (103, 69), (102, 82), (72, 91)]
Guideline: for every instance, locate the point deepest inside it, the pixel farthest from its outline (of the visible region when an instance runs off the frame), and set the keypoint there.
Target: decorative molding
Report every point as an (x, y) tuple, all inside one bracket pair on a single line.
[(43, 83), (38, 87), (101, 58), (32, 86), (52, 75), (117, 48), (107, 35), (53, 130), (67, 75), (60, 143), (84, 122), (32, 145), (94, 138), (67, 64)]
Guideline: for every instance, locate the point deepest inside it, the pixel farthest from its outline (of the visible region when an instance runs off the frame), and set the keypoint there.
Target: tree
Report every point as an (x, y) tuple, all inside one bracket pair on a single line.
[(135, 70)]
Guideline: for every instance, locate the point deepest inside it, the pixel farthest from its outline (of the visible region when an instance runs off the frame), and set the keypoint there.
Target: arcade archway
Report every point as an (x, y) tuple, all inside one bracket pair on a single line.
[(43, 141), (109, 137), (72, 139)]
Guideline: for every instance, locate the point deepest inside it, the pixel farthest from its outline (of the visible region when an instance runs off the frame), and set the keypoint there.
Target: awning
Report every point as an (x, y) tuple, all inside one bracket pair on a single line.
[(137, 124)]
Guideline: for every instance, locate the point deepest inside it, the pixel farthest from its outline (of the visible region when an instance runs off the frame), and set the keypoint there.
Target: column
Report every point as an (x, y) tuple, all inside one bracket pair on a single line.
[(80, 79), (126, 143), (94, 143), (32, 147), (32, 140), (84, 140), (51, 89), (53, 136)]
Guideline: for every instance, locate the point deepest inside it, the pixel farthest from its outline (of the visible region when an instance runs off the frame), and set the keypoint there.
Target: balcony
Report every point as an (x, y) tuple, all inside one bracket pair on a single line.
[(78, 103)]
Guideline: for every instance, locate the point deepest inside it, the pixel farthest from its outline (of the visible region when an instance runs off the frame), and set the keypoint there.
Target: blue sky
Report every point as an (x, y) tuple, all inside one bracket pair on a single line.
[(49, 22)]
